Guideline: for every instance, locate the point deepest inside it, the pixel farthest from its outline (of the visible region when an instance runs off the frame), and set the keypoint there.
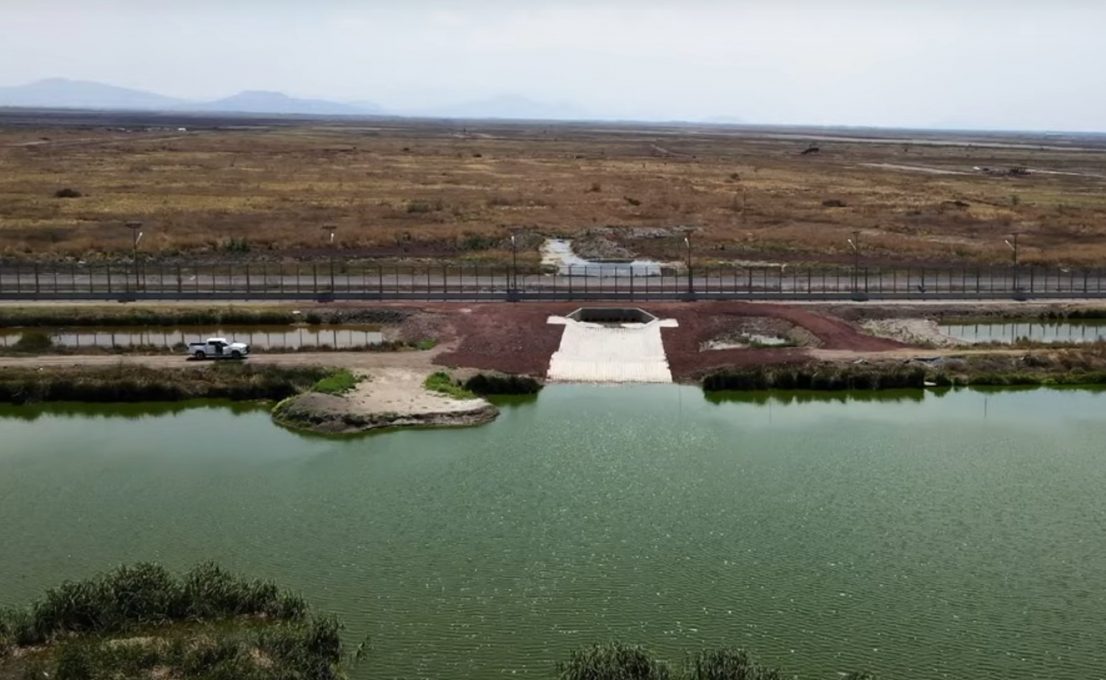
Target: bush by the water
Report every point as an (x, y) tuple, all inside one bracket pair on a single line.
[(816, 377), (82, 630), (138, 384), (494, 383), (144, 595), (617, 661), (443, 383), (338, 382), (33, 341)]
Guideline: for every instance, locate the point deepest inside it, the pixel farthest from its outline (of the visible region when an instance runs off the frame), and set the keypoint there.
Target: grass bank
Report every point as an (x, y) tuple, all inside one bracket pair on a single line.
[(140, 384), (1082, 366), (141, 621)]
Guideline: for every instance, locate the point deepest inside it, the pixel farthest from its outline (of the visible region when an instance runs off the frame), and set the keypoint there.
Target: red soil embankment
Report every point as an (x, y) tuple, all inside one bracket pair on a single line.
[(515, 338)]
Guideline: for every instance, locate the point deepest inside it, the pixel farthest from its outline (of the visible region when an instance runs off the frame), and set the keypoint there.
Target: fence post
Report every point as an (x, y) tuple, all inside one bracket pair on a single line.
[(36, 279), (247, 280)]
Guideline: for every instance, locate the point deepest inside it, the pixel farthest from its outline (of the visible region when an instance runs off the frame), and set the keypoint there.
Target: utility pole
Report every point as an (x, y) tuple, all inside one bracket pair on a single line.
[(329, 228), (1014, 247), (136, 236), (855, 243), (514, 265), (690, 281)]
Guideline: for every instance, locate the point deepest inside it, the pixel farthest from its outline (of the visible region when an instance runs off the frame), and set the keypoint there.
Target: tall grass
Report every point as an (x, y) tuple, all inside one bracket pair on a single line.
[(236, 628), (617, 661), (144, 595)]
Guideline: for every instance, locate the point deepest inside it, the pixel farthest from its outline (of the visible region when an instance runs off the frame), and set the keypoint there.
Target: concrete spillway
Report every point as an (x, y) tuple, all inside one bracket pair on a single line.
[(610, 345)]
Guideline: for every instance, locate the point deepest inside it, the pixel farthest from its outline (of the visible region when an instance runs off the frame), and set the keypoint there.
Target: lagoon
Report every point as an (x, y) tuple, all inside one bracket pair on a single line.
[(913, 534)]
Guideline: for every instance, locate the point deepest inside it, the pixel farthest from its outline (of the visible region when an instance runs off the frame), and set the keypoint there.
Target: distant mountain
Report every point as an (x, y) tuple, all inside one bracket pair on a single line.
[(257, 101), (77, 94), (725, 120), (508, 106), (81, 94), (61, 93)]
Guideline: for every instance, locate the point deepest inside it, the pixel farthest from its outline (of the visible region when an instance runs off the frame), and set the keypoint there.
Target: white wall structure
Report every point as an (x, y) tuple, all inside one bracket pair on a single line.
[(621, 353)]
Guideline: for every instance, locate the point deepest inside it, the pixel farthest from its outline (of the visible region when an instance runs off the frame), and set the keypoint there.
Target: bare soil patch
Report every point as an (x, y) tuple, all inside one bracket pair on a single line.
[(388, 397)]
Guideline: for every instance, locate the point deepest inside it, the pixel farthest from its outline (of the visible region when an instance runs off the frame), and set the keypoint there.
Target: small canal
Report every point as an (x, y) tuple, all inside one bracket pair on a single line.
[(916, 535), (1009, 332), (257, 337)]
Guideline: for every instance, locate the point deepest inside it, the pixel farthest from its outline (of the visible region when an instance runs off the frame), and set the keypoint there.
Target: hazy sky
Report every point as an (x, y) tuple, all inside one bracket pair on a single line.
[(996, 63)]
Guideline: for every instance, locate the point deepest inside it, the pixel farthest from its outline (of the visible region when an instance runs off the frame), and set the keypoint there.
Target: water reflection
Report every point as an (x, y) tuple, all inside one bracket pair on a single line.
[(1031, 331), (789, 397), (258, 337), (126, 411)]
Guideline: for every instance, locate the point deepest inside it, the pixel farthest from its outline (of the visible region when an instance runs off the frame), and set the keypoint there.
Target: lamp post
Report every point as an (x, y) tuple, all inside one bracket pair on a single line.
[(136, 236), (1014, 248), (690, 282), (854, 242), (514, 265), (329, 229)]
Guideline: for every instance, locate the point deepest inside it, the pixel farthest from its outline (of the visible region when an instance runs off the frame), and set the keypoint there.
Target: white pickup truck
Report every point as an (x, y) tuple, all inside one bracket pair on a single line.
[(218, 348)]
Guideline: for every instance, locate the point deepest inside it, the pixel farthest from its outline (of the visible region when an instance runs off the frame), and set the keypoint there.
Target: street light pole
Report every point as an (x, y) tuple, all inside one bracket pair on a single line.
[(855, 243), (1014, 247), (514, 265), (329, 228), (136, 236), (690, 282)]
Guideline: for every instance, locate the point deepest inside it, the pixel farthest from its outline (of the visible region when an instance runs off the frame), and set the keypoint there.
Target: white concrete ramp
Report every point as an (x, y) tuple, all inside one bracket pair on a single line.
[(593, 352)]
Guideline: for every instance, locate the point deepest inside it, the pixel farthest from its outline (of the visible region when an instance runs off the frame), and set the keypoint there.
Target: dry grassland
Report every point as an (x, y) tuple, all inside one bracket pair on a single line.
[(412, 190)]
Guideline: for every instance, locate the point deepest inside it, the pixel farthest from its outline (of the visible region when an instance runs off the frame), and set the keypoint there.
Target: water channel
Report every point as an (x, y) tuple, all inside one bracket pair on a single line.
[(257, 337), (1033, 331), (916, 535)]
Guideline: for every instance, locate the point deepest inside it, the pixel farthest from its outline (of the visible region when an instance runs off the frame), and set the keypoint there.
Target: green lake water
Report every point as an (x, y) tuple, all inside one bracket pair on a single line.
[(916, 536)]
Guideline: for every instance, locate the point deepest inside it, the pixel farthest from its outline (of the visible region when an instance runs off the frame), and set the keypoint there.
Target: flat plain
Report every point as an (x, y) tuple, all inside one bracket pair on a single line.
[(408, 189)]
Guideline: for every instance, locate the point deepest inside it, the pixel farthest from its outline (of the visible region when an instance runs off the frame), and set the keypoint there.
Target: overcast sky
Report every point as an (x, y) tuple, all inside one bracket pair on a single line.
[(980, 63)]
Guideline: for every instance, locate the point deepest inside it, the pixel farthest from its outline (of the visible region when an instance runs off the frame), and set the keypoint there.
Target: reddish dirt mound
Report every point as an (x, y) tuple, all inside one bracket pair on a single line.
[(701, 321), (503, 336), (515, 338)]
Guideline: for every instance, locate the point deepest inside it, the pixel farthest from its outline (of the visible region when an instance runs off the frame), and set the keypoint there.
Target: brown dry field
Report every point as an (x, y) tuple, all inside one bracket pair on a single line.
[(399, 189)]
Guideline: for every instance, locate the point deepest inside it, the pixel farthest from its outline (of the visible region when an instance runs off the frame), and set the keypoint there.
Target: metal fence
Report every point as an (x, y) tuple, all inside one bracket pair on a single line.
[(356, 281)]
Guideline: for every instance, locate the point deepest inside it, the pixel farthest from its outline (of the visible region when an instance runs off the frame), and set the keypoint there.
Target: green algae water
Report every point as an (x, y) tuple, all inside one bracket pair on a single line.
[(913, 535)]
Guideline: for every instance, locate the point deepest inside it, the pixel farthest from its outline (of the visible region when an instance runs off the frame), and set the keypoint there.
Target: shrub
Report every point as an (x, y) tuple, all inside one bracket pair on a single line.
[(418, 207), (727, 664), (338, 382), (483, 383), (67, 193), (236, 245), (614, 661), (442, 382), (33, 341), (143, 595)]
